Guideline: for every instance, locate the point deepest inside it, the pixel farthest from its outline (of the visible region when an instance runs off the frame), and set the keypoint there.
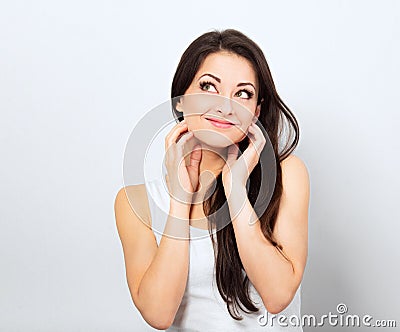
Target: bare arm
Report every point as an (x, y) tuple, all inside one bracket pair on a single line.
[(274, 274), (156, 275)]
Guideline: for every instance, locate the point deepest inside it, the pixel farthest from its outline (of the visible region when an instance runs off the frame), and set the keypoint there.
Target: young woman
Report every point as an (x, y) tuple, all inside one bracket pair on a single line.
[(245, 270)]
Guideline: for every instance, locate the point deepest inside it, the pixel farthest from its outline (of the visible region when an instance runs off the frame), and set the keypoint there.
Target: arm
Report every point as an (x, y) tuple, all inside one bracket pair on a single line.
[(156, 275), (276, 275)]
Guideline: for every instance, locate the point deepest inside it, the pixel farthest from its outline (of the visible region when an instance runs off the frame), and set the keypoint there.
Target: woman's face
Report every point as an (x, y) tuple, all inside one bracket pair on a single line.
[(224, 88)]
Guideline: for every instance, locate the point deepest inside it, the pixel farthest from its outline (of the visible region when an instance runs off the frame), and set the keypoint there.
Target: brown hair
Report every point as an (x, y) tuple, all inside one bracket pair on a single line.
[(276, 118)]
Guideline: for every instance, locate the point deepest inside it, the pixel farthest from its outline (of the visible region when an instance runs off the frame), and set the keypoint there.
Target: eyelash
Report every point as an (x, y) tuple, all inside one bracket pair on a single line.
[(249, 93)]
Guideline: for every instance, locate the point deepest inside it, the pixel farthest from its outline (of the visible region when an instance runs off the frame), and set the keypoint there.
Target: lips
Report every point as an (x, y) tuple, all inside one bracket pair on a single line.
[(220, 123), (219, 120)]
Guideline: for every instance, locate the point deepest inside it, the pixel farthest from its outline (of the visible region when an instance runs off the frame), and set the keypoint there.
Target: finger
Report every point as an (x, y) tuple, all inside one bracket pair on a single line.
[(183, 139), (252, 128), (195, 156), (256, 129), (179, 146), (174, 134), (232, 153), (257, 140), (174, 128)]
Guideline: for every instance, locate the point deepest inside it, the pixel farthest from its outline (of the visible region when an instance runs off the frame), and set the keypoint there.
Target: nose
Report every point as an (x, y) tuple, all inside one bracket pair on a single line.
[(225, 106)]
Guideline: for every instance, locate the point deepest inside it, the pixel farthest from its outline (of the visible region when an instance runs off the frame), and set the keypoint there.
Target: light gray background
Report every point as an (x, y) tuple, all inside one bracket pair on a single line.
[(75, 78)]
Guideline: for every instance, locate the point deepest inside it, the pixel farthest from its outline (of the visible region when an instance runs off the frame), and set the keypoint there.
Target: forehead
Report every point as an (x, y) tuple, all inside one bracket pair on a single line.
[(229, 67)]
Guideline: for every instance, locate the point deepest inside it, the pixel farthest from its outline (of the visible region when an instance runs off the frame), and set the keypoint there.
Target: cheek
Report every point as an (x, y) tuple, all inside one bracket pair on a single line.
[(246, 115), (193, 122), (239, 135), (245, 122)]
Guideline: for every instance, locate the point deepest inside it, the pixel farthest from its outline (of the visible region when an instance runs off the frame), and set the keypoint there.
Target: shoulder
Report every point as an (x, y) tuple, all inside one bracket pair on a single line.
[(295, 176), (133, 199), (293, 163), (137, 192)]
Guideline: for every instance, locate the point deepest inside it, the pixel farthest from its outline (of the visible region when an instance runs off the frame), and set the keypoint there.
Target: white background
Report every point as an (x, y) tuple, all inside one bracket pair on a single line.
[(75, 78)]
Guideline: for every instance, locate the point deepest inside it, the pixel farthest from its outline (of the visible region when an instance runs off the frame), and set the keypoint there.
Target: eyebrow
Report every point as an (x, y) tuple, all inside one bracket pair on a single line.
[(219, 80)]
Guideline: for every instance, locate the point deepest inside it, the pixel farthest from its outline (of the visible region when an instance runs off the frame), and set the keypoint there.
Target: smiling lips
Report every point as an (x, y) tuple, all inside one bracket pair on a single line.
[(220, 123)]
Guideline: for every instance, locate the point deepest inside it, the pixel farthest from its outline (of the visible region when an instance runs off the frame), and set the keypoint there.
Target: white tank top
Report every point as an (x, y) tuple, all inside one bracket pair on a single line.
[(202, 307)]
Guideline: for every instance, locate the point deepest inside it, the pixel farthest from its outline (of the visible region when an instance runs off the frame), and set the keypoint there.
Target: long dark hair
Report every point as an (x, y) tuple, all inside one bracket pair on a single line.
[(281, 126)]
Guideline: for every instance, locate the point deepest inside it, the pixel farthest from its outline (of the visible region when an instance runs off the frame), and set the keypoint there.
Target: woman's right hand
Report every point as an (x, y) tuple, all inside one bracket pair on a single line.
[(182, 180)]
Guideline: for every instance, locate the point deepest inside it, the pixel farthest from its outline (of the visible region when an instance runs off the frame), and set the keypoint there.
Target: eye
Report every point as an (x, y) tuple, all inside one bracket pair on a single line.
[(208, 86), (244, 94)]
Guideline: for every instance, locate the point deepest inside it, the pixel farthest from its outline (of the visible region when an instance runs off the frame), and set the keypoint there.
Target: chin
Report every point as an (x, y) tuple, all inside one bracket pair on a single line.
[(215, 140)]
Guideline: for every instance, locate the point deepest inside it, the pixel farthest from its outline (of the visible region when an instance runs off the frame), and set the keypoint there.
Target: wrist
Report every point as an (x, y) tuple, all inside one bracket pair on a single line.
[(237, 190), (179, 209), (236, 200), (233, 183), (236, 194)]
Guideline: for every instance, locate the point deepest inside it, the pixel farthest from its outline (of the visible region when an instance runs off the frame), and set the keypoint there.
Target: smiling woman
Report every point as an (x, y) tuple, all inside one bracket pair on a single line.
[(231, 76), (222, 94)]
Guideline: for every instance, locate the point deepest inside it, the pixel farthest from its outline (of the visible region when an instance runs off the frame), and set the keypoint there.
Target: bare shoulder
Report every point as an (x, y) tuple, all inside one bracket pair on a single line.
[(133, 199), (295, 179), (294, 169)]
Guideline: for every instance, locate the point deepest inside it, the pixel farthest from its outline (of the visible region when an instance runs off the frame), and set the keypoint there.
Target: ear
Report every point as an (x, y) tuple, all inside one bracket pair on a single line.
[(257, 113), (178, 106)]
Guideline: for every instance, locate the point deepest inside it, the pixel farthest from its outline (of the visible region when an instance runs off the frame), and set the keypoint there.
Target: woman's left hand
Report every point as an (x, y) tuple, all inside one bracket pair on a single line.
[(237, 170)]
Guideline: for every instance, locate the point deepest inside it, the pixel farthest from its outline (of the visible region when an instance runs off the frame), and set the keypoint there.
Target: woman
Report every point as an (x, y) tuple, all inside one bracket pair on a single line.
[(257, 266)]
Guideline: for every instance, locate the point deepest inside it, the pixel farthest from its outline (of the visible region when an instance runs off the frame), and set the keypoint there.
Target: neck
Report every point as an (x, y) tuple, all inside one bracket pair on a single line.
[(212, 159), (211, 165)]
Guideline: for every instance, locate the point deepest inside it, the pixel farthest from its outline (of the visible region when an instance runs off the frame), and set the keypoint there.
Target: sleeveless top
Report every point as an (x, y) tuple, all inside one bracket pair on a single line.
[(202, 307)]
